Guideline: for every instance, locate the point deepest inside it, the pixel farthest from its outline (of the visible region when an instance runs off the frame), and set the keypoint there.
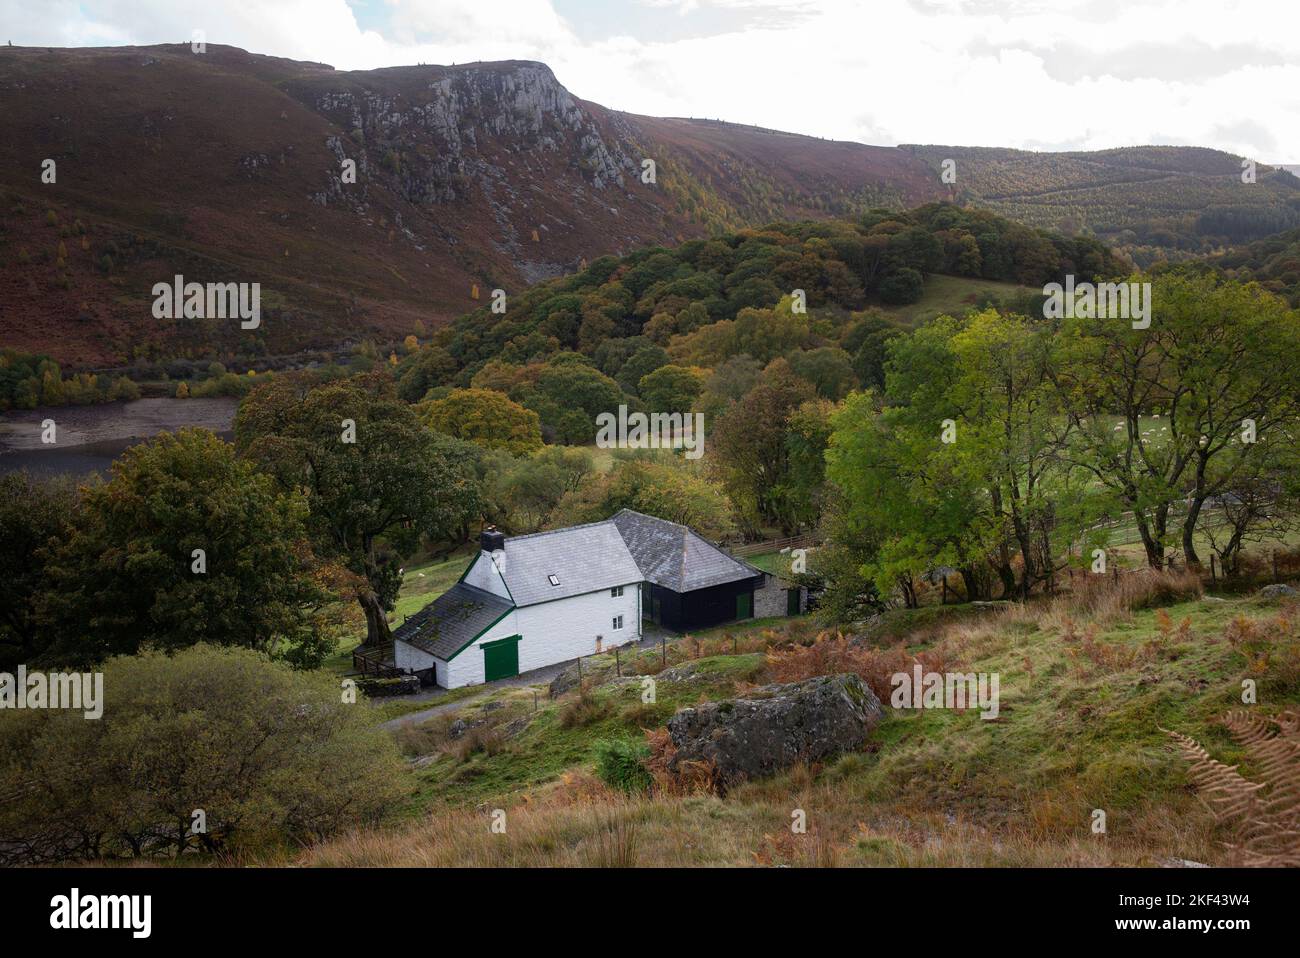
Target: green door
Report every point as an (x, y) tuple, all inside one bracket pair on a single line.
[(791, 601), (744, 605), (501, 658)]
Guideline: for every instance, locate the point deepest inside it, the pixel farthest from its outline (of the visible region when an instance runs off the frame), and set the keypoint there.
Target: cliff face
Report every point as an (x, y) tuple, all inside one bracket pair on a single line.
[(227, 166)]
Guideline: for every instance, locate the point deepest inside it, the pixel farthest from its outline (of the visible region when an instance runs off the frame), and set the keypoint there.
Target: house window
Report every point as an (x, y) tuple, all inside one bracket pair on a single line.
[(553, 579), (616, 592), (618, 622)]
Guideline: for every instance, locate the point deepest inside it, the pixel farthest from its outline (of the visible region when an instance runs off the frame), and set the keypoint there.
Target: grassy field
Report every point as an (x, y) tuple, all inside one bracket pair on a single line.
[(425, 581), (1087, 684), (952, 295)]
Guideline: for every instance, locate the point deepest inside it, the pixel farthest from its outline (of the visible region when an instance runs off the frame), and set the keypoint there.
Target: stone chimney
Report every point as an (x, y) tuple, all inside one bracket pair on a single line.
[(492, 540)]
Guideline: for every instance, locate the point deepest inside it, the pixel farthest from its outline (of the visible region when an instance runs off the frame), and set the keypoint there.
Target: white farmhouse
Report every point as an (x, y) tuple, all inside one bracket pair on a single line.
[(530, 601)]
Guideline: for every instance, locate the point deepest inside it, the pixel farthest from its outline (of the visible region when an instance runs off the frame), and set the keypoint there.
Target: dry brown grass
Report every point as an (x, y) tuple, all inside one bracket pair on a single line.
[(581, 824), (832, 654)]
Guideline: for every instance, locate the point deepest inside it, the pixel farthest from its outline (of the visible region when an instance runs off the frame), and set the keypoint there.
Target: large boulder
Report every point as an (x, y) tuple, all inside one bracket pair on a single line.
[(1278, 591), (775, 727)]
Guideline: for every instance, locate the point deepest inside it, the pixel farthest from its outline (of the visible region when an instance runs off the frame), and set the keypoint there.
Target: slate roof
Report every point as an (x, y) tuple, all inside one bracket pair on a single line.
[(583, 558), (672, 556), (452, 620), (623, 550)]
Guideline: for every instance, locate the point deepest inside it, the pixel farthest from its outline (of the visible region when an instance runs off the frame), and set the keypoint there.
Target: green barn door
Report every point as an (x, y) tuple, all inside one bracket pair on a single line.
[(501, 658), (744, 605), (791, 601)]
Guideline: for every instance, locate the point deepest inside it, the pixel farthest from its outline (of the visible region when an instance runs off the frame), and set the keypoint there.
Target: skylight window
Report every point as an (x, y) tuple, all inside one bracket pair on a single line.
[(555, 579)]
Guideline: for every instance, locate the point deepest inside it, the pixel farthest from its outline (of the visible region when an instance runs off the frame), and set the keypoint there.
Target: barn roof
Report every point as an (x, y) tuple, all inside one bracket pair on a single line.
[(672, 556), (453, 620)]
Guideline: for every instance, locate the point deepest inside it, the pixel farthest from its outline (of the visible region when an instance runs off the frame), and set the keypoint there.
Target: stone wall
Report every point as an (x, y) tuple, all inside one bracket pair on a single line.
[(770, 600)]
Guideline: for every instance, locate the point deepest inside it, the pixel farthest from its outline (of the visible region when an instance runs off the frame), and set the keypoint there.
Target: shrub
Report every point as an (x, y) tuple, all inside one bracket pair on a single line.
[(620, 764), (584, 710), (481, 738), (271, 756)]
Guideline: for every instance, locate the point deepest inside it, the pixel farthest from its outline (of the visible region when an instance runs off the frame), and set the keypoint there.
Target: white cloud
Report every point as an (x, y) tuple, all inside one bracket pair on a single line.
[(1083, 74)]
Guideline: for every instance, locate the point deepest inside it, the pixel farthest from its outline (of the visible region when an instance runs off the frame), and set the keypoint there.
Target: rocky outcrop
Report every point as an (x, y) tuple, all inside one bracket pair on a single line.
[(471, 128), (775, 727)]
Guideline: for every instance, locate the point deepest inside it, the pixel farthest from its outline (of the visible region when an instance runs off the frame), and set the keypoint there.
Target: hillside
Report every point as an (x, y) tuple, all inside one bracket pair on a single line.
[(1088, 684), (225, 167), (1150, 201), (1273, 262)]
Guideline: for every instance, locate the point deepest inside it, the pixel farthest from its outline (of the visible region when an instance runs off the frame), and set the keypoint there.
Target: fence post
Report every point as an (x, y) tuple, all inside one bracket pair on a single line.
[(618, 665), (1275, 578), (663, 651)]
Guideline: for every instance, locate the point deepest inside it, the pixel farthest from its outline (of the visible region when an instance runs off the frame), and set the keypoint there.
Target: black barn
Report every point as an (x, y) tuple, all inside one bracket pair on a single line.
[(689, 582)]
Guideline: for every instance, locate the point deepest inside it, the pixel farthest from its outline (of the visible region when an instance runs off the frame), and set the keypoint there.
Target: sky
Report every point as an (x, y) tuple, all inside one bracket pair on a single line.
[(1031, 74)]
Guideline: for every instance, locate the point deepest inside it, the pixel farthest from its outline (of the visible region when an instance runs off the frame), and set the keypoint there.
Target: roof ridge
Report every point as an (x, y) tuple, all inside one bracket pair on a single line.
[(551, 532)]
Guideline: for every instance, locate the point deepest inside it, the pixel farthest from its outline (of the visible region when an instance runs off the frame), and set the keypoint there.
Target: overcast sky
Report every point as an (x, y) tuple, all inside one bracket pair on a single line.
[(1034, 74)]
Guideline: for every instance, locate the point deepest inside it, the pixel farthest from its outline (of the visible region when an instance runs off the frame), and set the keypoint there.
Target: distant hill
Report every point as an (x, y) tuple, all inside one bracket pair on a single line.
[(225, 167), (1149, 201)]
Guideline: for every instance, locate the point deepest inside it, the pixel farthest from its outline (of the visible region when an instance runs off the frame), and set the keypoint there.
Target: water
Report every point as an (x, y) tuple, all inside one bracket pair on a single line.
[(89, 438)]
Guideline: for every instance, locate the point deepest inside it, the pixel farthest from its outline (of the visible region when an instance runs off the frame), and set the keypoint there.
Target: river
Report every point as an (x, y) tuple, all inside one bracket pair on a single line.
[(89, 438)]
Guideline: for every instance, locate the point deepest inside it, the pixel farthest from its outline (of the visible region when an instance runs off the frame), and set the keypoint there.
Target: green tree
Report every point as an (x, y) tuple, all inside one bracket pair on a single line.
[(671, 388), (423, 369), (375, 478), (667, 488), (641, 363), (34, 515), (828, 368), (751, 452), (570, 396), (524, 492), (1159, 412), (186, 543)]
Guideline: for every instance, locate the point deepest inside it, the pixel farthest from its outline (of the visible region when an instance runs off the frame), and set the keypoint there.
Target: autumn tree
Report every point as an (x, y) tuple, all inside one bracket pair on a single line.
[(487, 418), (749, 448)]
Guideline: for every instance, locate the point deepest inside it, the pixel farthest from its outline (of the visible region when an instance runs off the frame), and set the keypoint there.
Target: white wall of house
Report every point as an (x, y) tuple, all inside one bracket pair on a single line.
[(466, 668), (483, 574), (567, 628), (552, 632), (410, 659)]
